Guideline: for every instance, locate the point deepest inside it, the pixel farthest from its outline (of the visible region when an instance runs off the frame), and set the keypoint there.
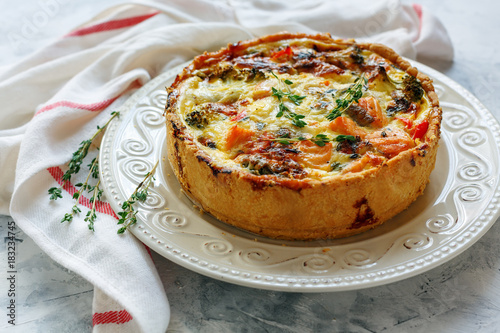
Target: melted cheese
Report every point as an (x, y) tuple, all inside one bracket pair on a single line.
[(251, 105)]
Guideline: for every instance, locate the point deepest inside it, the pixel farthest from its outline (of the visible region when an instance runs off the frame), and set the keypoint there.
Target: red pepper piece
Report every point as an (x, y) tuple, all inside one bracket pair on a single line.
[(421, 129), (287, 51)]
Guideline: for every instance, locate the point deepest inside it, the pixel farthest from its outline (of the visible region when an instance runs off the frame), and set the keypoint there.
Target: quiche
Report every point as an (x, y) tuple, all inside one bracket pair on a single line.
[(300, 137)]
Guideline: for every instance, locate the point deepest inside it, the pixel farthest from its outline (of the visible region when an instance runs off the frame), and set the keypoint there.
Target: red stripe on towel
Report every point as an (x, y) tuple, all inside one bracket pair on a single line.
[(418, 10), (111, 25), (111, 317), (100, 206), (149, 251), (98, 106), (90, 107)]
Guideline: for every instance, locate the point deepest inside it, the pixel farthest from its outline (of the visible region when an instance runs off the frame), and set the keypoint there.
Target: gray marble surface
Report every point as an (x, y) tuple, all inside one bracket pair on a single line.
[(462, 295)]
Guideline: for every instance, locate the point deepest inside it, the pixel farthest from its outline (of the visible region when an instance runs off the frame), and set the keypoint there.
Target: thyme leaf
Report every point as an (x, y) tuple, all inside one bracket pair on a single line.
[(55, 193), (347, 97), (341, 138), (296, 99), (283, 110)]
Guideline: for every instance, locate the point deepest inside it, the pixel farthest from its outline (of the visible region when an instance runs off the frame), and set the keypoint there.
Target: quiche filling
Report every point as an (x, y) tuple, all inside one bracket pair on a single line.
[(299, 110), (296, 136)]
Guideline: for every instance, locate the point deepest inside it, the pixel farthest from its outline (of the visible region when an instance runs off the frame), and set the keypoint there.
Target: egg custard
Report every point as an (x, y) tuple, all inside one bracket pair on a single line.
[(296, 136)]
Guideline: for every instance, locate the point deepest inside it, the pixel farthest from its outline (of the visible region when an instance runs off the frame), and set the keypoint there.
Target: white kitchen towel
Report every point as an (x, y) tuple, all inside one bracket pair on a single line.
[(56, 98)]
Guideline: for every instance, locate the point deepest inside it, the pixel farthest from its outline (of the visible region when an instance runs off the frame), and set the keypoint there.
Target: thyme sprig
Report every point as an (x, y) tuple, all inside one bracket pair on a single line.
[(295, 99), (319, 139), (74, 167), (77, 159), (127, 217), (91, 214), (95, 190), (347, 97), (96, 195)]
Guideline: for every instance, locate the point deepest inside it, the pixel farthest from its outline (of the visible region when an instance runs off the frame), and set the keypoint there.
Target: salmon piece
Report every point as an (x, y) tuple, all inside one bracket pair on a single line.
[(368, 160), (263, 89), (314, 156), (346, 126), (372, 106), (239, 116), (237, 135), (391, 142)]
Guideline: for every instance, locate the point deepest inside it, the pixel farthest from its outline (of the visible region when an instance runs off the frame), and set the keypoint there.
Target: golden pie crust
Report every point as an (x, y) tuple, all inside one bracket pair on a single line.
[(229, 163)]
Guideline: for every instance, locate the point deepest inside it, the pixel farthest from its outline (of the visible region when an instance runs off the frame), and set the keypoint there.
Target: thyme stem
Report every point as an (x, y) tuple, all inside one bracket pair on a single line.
[(295, 99), (77, 159), (128, 215), (351, 95), (74, 166), (91, 215)]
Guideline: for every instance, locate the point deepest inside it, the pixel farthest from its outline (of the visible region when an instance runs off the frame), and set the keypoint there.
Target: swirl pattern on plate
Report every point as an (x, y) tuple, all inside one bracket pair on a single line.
[(470, 192), (170, 221), (417, 242), (359, 258), (218, 247), (317, 263), (440, 223), (255, 256), (456, 117)]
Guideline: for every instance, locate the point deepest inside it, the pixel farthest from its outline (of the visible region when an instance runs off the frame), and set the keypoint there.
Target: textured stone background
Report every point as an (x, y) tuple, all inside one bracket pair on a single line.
[(462, 295)]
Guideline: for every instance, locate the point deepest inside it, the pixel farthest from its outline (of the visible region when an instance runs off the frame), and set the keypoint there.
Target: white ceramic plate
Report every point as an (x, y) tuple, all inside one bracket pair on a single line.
[(459, 205)]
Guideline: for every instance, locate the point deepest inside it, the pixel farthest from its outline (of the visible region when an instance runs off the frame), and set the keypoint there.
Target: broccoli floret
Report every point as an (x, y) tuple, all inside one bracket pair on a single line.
[(203, 114), (412, 88), (198, 119)]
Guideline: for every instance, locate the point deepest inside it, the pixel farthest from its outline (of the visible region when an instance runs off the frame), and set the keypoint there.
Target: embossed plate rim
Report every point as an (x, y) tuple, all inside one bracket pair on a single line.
[(255, 276)]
